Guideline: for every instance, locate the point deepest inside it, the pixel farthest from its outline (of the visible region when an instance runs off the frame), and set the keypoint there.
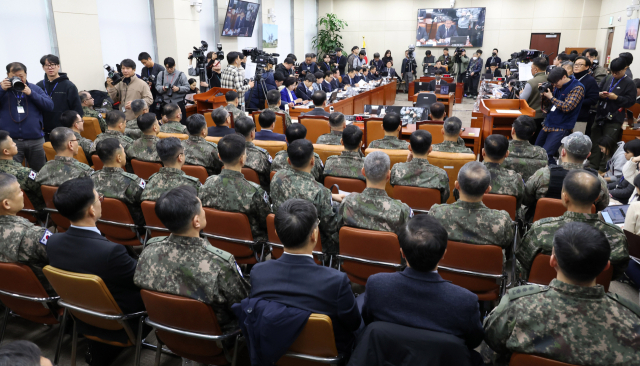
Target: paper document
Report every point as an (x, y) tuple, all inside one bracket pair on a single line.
[(524, 72), (343, 192), (513, 111)]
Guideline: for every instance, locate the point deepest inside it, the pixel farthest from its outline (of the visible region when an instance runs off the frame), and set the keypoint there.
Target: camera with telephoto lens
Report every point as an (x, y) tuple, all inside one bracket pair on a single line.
[(457, 55), (261, 59), (410, 51), (200, 54), (544, 87), (594, 65), (16, 83), (150, 78), (115, 76), (169, 88)]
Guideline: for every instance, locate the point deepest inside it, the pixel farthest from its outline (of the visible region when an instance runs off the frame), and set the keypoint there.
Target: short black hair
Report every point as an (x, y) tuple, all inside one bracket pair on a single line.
[(496, 146), (362, 52), (266, 118), (278, 76), (145, 121), (474, 179), (295, 131), (300, 152), (170, 110), (426, 53), (6, 180), (168, 149), (288, 60), (437, 110), (73, 198), (232, 57), (352, 137), (170, 62), (495, 49), (177, 207), (143, 56), (354, 48), (4, 135), (556, 74), (289, 81), (493, 64), (582, 251), (68, 118), (53, 59), (586, 60), (617, 64), (563, 57), (582, 186), (107, 149), (310, 77), (608, 143), (20, 353), (351, 69), (591, 52), (113, 118), (294, 222), (273, 98), (420, 141), (336, 119), (452, 126), (525, 127), (138, 105), (541, 63), (195, 124), (423, 241), (231, 147), (391, 122), (59, 137), (358, 68), (318, 97), (627, 57), (633, 147), (16, 66), (319, 75), (244, 126), (328, 73), (231, 95), (127, 62)]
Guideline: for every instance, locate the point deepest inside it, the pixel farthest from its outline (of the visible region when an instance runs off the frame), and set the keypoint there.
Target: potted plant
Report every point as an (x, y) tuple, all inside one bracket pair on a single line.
[(328, 38)]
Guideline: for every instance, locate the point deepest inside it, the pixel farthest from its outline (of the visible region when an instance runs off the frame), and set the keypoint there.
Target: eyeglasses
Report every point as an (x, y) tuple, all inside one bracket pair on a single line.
[(50, 66), (73, 140), (579, 65)]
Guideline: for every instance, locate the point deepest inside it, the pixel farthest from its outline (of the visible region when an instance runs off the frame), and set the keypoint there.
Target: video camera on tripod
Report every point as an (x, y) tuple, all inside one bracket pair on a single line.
[(200, 54), (261, 59), (524, 56)]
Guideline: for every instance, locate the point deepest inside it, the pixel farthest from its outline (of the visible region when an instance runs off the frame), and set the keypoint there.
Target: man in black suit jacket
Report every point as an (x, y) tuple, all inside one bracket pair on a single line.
[(438, 81), (399, 297), (335, 83), (349, 79), (446, 30), (222, 120), (318, 98), (296, 280), (267, 121), (304, 89)]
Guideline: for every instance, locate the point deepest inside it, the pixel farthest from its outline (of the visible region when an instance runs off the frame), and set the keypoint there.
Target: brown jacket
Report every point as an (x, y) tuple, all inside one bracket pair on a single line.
[(123, 93)]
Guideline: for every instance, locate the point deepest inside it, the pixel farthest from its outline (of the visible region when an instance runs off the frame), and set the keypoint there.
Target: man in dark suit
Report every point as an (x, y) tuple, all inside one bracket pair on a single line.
[(318, 98), (222, 120), (267, 121), (308, 66), (296, 280), (341, 61), (286, 67), (438, 81), (349, 79), (327, 82), (335, 83), (446, 30), (396, 297), (304, 89)]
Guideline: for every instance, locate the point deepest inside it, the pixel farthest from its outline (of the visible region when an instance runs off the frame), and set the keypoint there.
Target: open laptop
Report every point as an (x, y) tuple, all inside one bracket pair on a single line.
[(458, 41), (334, 96), (615, 214)]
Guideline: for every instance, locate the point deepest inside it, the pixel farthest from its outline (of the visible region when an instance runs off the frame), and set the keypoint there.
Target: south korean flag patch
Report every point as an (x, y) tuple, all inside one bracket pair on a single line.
[(142, 183), (266, 198), (238, 268), (270, 158), (45, 237), (33, 175), (410, 213)]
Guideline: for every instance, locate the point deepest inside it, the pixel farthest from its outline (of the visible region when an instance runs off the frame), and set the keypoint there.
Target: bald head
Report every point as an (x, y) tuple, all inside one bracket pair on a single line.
[(582, 187), (474, 179)]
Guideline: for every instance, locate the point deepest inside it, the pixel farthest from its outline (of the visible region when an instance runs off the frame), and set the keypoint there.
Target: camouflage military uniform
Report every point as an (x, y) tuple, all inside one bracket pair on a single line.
[(287, 118), (124, 140), (290, 183), (505, 182), (230, 192), (538, 185), (90, 112), (237, 112), (567, 323), (389, 142), (173, 127), (280, 162), (452, 147), (419, 173), (475, 223), (332, 138), (193, 268), (61, 169), (26, 243), (199, 151), (144, 149), (259, 160), (132, 130), (166, 179), (348, 164), (27, 179), (521, 154), (126, 187), (85, 144), (539, 240)]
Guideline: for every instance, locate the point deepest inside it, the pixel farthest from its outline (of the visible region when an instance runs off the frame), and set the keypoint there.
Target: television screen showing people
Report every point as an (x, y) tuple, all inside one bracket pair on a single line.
[(240, 19), (450, 27)]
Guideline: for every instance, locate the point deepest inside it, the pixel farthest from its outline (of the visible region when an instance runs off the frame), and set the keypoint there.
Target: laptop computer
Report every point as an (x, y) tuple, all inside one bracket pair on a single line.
[(458, 41), (334, 96), (615, 214)]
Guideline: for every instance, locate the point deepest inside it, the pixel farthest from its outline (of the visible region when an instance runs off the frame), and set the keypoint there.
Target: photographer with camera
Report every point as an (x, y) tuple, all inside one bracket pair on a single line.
[(494, 58), (460, 65), (286, 67), (21, 107), (599, 73), (617, 92), (172, 86), (531, 94), (446, 59), (128, 89), (149, 74), (257, 95), (562, 106), (409, 67), (232, 76)]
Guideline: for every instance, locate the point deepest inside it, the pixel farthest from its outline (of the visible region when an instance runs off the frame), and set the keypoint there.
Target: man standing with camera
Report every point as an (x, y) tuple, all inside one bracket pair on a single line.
[(21, 107), (149, 74), (285, 67), (172, 86), (531, 94), (599, 72), (129, 89), (409, 67), (232, 79), (460, 65), (563, 108)]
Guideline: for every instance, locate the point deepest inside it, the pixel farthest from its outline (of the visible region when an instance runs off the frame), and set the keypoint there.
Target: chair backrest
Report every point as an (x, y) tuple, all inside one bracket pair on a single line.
[(181, 136), (152, 220), (208, 119), (81, 157), (395, 156), (372, 248), (345, 184), (28, 211), (425, 100), (481, 259), (116, 211), (280, 122), (19, 279), (49, 152), (47, 194), (501, 202), (372, 130), (273, 238), (251, 175), (324, 151), (451, 163), (542, 273), (145, 169), (97, 163), (633, 241), (551, 207), (316, 126), (186, 314), (234, 225), (315, 339), (213, 139), (520, 359), (272, 147), (196, 171), (419, 199), (434, 128), (91, 128)]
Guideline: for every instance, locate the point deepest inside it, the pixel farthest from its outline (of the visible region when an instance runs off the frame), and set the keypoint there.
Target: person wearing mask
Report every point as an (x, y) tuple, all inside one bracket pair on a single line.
[(341, 61), (232, 76), (286, 67), (408, 70), (129, 89), (475, 71), (599, 72), (172, 85), (150, 73), (532, 95), (437, 81), (494, 58), (581, 71)]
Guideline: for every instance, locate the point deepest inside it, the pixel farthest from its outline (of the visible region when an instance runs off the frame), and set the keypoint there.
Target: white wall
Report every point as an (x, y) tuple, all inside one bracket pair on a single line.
[(616, 9), (310, 25), (282, 9), (208, 24)]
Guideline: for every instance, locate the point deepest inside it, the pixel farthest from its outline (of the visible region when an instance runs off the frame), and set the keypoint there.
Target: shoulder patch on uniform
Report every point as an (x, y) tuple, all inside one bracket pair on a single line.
[(270, 158), (129, 175), (211, 143), (192, 178), (33, 175), (45, 237), (521, 291), (239, 269), (127, 138), (261, 149), (635, 308), (219, 252), (142, 183), (156, 240), (410, 212), (265, 197)]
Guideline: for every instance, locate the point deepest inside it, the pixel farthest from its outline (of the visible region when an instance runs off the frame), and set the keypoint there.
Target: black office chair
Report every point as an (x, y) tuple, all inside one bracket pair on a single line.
[(425, 100)]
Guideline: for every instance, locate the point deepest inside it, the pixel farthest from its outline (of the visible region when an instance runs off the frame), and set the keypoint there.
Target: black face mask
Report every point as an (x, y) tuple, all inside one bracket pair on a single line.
[(494, 54)]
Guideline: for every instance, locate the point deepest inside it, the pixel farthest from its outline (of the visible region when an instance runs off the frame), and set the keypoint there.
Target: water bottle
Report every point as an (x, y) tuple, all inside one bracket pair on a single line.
[(382, 112), (331, 109)]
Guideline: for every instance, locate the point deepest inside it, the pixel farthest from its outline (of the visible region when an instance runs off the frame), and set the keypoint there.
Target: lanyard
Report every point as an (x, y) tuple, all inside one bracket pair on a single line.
[(19, 96), (54, 88), (338, 60), (611, 86), (327, 65)]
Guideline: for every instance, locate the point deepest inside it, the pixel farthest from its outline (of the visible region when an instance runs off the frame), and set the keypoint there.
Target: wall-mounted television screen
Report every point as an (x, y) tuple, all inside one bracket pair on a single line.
[(450, 27), (240, 19)]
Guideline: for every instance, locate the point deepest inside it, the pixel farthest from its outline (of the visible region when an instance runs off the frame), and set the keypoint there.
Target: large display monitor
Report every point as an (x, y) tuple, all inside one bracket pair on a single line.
[(240, 19), (450, 27)]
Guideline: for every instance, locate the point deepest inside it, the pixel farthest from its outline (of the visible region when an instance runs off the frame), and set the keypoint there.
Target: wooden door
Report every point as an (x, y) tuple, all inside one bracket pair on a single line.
[(609, 44), (547, 42)]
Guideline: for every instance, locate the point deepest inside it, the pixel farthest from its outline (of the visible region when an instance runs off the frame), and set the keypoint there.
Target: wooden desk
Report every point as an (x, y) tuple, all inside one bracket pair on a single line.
[(494, 122), (208, 101), (447, 99), (629, 134), (424, 79)]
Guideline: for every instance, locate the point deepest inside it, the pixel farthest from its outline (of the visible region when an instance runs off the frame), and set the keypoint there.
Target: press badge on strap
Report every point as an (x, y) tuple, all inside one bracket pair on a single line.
[(553, 108), (20, 109)]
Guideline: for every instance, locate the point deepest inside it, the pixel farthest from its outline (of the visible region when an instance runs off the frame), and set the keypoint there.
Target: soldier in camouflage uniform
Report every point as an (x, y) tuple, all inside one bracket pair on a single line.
[(174, 116), (64, 167), (26, 177), (144, 148), (113, 182), (337, 124), (350, 162), (22, 242), (468, 220), (71, 119), (296, 132), (579, 190), (392, 126), (87, 109), (138, 107), (452, 143), (198, 150), (417, 172), (273, 101), (524, 158), (232, 105), (576, 149), (184, 264), (299, 183), (115, 128), (572, 320), (258, 158), (230, 191), (170, 175)]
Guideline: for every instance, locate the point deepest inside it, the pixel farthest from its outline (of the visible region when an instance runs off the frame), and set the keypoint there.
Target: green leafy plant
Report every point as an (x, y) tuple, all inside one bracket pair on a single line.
[(328, 38)]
